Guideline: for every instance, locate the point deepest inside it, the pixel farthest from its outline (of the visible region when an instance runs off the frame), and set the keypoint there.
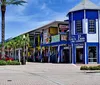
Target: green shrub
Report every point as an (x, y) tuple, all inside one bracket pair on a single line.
[(13, 63), (90, 68), (98, 67), (84, 68), (2, 62)]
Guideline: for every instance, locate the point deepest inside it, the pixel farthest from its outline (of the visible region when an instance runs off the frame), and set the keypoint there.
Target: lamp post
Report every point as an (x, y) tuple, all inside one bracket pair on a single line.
[(23, 58)]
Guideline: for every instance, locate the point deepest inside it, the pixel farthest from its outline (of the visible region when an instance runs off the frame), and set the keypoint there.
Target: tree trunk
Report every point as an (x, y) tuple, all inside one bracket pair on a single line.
[(27, 52), (15, 53), (3, 9)]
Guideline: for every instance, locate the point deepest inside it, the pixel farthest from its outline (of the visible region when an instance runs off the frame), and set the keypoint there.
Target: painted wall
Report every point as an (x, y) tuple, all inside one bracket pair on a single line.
[(99, 36), (92, 37), (79, 15), (91, 14)]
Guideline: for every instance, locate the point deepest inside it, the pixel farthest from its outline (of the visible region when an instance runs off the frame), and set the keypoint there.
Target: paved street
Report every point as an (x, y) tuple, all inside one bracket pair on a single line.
[(46, 74)]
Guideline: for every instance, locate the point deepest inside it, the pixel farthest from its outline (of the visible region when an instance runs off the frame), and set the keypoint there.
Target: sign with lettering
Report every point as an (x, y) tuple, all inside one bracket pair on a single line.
[(45, 37), (53, 30), (55, 38), (63, 28), (63, 37), (79, 38)]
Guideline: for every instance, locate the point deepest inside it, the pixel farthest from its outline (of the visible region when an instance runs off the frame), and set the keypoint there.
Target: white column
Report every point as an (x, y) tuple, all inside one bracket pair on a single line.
[(41, 54), (74, 27), (34, 46), (59, 53), (48, 54), (19, 55), (99, 36), (15, 54), (70, 54)]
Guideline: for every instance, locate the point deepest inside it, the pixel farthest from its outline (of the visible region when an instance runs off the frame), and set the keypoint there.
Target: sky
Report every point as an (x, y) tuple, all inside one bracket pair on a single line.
[(36, 13)]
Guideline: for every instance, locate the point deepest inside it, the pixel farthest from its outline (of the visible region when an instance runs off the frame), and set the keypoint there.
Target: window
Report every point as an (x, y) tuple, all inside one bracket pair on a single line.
[(92, 54), (91, 26), (79, 26)]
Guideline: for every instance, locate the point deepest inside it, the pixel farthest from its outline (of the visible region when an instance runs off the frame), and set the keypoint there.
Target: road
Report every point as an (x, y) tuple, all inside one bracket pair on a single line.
[(46, 74)]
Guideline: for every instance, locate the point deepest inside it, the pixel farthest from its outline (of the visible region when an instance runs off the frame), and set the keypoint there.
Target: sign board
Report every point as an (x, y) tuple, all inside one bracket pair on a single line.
[(45, 36), (79, 38), (55, 38), (63, 28), (63, 37), (53, 30)]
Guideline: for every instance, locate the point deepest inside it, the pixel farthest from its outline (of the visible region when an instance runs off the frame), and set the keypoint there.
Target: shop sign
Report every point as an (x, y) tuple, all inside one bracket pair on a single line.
[(55, 38), (63, 28), (63, 37), (45, 36), (79, 38), (53, 30), (66, 47)]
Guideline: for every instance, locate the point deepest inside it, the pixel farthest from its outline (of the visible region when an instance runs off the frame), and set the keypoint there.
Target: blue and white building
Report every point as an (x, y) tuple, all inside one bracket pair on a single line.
[(85, 32)]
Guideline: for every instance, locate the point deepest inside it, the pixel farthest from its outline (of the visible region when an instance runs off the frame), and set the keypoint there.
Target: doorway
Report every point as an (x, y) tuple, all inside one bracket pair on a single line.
[(66, 57), (92, 54), (79, 54)]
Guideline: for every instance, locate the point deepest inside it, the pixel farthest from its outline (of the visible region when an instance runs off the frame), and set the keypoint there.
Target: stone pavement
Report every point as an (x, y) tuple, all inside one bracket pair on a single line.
[(46, 74)]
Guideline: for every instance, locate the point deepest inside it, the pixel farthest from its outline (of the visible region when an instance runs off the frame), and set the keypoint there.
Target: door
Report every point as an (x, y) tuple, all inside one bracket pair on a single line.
[(66, 57), (92, 54), (79, 54)]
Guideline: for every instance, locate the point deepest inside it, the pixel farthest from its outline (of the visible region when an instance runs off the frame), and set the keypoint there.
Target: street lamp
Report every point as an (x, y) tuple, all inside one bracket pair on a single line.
[(23, 58)]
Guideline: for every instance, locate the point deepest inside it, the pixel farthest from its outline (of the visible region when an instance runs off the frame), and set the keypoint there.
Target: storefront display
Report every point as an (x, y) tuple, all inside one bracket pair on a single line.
[(53, 30), (55, 38), (63, 28), (92, 54), (45, 37), (64, 37)]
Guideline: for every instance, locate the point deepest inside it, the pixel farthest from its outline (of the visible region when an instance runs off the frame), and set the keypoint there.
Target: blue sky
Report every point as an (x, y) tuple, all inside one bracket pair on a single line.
[(36, 13)]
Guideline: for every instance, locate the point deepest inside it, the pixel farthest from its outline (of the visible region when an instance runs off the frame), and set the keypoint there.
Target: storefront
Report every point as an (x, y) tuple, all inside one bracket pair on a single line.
[(93, 52), (65, 54), (78, 48)]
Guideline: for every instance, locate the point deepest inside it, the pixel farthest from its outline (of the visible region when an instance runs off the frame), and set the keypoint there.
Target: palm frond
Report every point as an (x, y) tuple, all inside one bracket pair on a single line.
[(15, 2), (2, 2)]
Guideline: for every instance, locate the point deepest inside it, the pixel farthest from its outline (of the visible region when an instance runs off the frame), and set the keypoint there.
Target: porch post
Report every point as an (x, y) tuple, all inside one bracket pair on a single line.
[(73, 54), (70, 54), (19, 54), (49, 54), (86, 54), (34, 47), (15, 54), (40, 53), (41, 46), (59, 53), (99, 38)]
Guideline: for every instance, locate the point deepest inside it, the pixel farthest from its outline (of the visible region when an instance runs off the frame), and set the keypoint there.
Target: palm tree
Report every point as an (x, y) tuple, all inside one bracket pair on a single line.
[(27, 43), (3, 4)]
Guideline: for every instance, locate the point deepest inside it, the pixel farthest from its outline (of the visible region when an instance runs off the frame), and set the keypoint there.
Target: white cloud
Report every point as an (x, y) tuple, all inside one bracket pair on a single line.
[(30, 22)]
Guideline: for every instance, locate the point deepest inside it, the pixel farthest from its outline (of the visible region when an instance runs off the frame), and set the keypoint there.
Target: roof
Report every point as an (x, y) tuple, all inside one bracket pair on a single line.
[(54, 23), (85, 4)]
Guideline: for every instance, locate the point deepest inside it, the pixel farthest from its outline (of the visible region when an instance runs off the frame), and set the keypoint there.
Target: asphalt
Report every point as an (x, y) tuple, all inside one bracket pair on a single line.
[(47, 74)]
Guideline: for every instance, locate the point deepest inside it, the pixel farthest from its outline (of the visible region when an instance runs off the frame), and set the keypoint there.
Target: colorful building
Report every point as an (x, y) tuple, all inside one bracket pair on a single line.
[(53, 38), (76, 40), (84, 22)]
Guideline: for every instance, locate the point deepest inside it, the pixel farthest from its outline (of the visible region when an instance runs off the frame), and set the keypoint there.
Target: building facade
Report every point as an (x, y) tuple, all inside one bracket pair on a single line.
[(54, 43), (84, 32), (76, 40)]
